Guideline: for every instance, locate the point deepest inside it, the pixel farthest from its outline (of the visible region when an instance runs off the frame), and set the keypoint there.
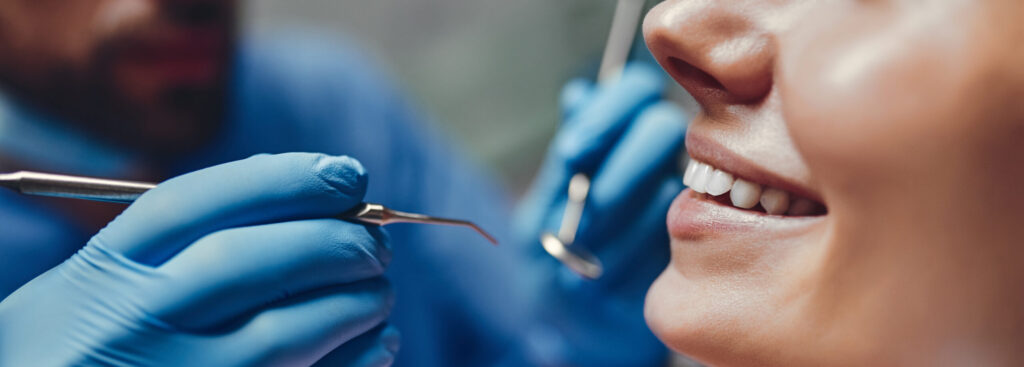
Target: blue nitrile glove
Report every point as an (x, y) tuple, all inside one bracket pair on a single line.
[(628, 140), (235, 265)]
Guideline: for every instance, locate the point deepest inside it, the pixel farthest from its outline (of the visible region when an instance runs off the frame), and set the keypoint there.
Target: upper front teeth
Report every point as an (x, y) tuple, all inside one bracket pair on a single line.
[(721, 182), (703, 178)]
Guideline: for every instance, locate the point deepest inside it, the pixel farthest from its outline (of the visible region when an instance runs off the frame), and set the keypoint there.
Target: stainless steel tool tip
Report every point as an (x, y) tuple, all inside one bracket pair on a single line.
[(381, 215), (576, 259)]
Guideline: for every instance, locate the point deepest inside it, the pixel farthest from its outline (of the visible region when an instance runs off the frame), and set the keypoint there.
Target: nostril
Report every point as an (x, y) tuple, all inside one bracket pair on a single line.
[(746, 81), (697, 76), (723, 54), (701, 85)]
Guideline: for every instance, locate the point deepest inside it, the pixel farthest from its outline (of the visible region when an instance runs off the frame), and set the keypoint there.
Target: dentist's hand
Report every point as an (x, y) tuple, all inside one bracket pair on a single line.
[(235, 265), (628, 140)]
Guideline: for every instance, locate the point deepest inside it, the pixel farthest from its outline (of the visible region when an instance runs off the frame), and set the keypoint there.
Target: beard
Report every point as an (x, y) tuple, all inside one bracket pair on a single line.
[(178, 119), (123, 93), (173, 118)]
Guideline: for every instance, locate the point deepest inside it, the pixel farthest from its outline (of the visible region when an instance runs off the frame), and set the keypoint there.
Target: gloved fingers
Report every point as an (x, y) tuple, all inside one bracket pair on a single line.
[(302, 330), (575, 94), (638, 237), (375, 348), (540, 210), (596, 116), (553, 178), (260, 189), (590, 132), (237, 270), (637, 164)]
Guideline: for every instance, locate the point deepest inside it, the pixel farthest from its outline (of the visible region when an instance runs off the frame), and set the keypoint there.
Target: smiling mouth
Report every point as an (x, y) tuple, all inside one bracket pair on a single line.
[(723, 187)]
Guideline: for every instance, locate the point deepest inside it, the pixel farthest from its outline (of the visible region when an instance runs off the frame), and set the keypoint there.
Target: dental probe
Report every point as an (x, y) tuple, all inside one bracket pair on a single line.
[(616, 52), (577, 259), (126, 192), (620, 39)]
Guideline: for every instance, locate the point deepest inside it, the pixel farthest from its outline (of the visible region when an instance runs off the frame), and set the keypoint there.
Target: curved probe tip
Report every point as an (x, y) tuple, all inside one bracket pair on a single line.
[(484, 233)]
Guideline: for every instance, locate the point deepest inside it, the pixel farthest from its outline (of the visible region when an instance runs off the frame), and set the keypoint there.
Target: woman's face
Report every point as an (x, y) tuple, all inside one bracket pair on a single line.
[(896, 130)]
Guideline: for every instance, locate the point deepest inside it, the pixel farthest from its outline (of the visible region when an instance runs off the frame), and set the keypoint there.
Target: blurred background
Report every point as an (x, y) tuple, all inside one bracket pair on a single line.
[(488, 71)]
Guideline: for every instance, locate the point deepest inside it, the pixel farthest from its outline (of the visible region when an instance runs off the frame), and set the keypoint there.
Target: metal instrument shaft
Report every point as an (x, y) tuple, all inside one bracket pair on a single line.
[(616, 53), (126, 192)]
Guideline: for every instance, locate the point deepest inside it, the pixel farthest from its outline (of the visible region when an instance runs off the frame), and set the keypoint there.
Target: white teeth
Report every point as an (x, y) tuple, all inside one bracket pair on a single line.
[(801, 206), (745, 194), (691, 168), (701, 177), (719, 183), (774, 201), (705, 179)]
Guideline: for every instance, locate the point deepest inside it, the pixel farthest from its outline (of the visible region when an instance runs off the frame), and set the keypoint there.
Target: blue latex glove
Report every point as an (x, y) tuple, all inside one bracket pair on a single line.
[(234, 265), (628, 140)]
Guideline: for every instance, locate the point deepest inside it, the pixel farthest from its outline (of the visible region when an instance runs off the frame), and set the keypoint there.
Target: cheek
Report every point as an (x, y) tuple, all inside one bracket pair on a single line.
[(872, 94), (892, 114), (66, 35), (76, 28), (116, 17)]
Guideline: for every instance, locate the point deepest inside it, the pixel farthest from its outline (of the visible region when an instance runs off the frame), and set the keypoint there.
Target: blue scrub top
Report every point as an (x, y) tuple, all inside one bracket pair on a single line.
[(459, 301)]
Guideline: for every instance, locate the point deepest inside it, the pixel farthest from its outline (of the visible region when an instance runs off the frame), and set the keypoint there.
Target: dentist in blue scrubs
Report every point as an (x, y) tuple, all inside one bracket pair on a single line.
[(235, 259)]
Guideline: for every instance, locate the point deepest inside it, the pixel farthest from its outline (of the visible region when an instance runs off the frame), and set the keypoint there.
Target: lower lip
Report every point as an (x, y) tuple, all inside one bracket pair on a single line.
[(694, 218)]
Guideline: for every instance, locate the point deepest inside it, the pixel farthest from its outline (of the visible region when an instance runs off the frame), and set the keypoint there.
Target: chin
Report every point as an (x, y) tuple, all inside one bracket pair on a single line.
[(704, 326)]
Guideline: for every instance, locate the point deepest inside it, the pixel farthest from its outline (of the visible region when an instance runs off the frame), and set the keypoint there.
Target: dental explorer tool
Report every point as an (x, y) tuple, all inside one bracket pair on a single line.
[(577, 259), (616, 53), (126, 192), (620, 39)]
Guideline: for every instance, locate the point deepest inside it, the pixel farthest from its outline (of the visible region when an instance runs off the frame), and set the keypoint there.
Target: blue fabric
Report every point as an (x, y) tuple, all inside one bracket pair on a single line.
[(459, 301)]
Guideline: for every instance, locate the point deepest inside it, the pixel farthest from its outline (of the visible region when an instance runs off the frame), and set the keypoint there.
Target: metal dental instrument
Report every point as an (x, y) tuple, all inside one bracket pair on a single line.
[(97, 189), (579, 187), (620, 39), (381, 215), (616, 52), (576, 258)]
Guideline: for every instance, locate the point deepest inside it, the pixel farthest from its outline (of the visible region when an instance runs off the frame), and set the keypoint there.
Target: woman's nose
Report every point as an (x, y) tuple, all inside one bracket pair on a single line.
[(714, 49)]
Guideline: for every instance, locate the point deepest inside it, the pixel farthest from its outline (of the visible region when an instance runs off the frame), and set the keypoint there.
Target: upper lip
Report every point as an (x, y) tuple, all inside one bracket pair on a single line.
[(707, 150)]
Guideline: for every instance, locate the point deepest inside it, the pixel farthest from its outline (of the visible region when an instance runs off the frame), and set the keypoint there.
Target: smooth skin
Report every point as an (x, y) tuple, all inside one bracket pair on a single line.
[(240, 264), (905, 118)]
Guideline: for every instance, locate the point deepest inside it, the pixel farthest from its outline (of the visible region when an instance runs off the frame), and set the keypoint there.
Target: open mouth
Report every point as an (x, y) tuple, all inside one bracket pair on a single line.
[(740, 195), (728, 189)]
